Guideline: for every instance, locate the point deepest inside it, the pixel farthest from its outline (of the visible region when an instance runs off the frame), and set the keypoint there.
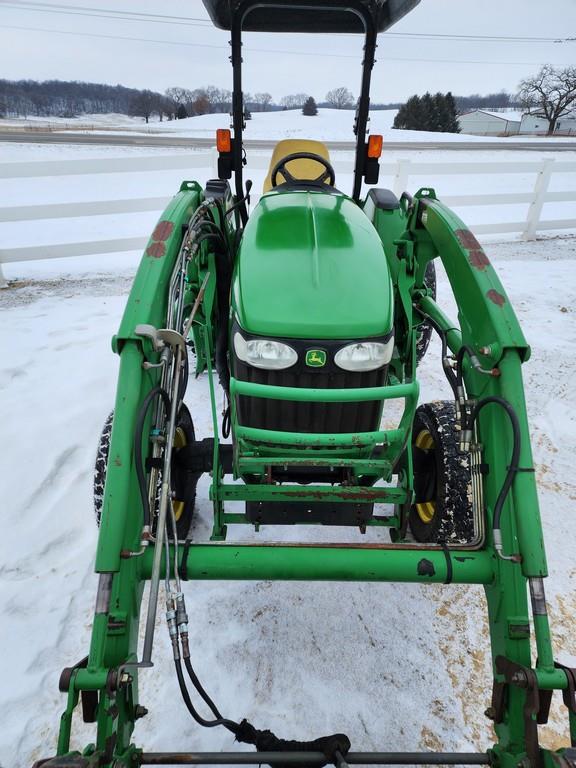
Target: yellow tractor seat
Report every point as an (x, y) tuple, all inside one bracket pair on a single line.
[(300, 169)]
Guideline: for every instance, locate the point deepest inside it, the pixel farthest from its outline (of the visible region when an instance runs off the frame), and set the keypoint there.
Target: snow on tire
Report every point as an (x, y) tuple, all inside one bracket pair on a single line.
[(425, 330), (442, 511), (100, 466)]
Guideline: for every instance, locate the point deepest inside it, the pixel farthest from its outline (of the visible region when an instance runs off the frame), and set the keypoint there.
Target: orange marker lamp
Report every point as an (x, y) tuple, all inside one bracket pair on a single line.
[(375, 146), (223, 140)]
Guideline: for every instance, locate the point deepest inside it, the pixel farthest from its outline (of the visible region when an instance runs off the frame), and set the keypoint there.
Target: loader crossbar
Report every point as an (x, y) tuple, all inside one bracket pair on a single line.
[(300, 562)]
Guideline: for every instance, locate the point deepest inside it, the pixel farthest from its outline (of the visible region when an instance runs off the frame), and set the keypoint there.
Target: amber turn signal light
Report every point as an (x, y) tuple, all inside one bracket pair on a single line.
[(223, 140), (374, 146)]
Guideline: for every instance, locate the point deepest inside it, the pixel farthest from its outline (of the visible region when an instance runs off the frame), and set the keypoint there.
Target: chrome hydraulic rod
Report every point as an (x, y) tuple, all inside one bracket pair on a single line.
[(161, 524)]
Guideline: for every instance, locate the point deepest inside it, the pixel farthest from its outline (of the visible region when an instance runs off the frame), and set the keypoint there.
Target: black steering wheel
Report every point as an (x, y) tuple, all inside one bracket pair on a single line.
[(280, 168)]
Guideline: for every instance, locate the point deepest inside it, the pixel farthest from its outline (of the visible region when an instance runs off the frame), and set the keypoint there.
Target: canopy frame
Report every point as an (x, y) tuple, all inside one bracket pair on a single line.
[(363, 13)]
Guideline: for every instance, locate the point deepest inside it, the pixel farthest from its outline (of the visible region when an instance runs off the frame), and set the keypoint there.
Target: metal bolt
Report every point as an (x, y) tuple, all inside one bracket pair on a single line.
[(518, 678), (125, 678), (139, 712)]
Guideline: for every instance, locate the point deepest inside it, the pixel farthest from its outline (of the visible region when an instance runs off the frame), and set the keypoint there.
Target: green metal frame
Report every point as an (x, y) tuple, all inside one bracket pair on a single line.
[(487, 323)]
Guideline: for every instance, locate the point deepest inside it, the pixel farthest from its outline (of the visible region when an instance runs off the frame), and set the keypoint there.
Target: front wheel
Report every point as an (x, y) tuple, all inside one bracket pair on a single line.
[(182, 482), (442, 512), (425, 329)]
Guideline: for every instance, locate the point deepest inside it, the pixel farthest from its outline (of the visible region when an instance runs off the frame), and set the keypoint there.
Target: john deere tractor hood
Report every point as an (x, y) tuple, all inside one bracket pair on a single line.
[(311, 265)]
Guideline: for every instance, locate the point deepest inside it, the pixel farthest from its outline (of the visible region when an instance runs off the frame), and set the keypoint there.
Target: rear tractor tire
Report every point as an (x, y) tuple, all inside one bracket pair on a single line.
[(182, 482), (442, 512)]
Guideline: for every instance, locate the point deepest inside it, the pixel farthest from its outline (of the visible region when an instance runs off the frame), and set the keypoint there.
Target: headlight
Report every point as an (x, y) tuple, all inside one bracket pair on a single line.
[(364, 355), (264, 353)]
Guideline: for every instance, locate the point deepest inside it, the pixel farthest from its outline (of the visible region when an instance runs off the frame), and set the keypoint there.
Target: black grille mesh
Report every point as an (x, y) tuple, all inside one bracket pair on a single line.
[(290, 416)]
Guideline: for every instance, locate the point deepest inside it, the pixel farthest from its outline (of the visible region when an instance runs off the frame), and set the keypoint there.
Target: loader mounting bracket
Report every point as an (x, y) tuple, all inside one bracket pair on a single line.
[(89, 699), (537, 704)]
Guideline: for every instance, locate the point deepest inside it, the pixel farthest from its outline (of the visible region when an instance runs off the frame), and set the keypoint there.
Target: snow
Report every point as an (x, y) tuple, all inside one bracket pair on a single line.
[(327, 125), (301, 659), (88, 122)]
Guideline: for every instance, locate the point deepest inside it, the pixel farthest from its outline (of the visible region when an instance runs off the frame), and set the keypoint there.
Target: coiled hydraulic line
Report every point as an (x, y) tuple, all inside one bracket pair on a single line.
[(468, 419)]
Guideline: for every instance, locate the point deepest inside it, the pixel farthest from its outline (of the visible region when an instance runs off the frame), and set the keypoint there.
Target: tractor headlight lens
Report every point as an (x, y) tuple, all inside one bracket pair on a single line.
[(264, 353), (364, 355)]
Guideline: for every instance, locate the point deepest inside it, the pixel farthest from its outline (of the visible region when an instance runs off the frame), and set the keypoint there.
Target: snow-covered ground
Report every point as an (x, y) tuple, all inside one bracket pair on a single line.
[(394, 666), (327, 125), (301, 659)]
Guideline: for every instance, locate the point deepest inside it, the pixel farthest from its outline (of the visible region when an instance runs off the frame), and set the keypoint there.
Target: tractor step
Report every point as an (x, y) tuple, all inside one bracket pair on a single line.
[(340, 494)]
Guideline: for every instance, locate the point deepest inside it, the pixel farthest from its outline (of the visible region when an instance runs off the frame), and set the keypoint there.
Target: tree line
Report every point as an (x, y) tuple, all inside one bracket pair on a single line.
[(59, 98), (551, 92), (436, 112)]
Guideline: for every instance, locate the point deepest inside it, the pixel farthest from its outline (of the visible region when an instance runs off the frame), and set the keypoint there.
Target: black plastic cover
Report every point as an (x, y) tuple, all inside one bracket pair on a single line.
[(384, 199), (325, 17)]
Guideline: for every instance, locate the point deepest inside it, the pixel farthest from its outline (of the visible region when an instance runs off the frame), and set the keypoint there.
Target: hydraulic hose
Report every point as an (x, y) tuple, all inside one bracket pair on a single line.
[(229, 724), (449, 373), (138, 433), (200, 688), (513, 467)]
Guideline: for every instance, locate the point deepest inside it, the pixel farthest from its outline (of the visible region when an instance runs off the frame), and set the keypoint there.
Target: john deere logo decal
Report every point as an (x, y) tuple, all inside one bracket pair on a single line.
[(315, 358)]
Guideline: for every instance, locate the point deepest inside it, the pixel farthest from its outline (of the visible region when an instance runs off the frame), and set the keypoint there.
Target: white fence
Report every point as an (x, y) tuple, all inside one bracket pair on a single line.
[(396, 175)]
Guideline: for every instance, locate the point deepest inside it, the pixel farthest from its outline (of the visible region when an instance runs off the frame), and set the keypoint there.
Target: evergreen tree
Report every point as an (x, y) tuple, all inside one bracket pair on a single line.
[(441, 112), (400, 118), (181, 112), (310, 107), (429, 113), (453, 125), (408, 116)]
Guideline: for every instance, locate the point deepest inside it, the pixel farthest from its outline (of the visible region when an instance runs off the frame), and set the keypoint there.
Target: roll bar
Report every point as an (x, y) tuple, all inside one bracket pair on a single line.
[(364, 14)]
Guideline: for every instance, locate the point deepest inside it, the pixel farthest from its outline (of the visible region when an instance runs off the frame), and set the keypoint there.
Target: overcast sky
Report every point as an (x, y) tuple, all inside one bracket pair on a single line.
[(91, 40)]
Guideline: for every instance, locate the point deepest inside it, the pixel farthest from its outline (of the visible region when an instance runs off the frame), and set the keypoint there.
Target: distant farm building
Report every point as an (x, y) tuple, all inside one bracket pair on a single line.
[(482, 122), (534, 123)]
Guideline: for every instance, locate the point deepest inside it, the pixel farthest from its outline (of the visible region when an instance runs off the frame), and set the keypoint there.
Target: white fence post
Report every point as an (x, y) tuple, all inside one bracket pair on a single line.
[(537, 204), (3, 281), (214, 163), (401, 177)]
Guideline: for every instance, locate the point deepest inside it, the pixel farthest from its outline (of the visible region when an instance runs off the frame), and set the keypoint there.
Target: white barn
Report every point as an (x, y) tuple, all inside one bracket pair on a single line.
[(534, 123), (482, 122)]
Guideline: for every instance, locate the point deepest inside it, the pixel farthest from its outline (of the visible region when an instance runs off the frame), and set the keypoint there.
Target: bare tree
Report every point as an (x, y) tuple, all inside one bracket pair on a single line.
[(340, 98), (200, 103), (262, 100), (180, 96), (294, 101), (143, 104), (552, 93)]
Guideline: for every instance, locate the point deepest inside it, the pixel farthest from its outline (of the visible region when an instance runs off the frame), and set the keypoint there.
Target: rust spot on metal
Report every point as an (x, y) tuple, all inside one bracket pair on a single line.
[(478, 259), (496, 298), (477, 256), (163, 230), (117, 461), (467, 239), (156, 250), (359, 494)]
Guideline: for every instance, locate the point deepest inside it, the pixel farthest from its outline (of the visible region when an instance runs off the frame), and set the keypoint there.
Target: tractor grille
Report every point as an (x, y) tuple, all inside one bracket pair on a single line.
[(290, 416)]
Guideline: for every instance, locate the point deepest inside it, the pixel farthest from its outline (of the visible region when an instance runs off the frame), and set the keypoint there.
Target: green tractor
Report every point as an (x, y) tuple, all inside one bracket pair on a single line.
[(306, 317)]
